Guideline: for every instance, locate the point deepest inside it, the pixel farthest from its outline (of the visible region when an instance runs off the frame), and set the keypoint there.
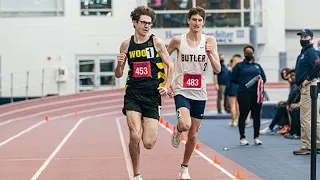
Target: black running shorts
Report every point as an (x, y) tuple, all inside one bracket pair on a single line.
[(146, 109)]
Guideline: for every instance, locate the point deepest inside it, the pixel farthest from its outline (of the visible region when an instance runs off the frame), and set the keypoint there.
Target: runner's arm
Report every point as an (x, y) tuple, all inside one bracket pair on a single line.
[(214, 56), (173, 45), (168, 64), (121, 63)]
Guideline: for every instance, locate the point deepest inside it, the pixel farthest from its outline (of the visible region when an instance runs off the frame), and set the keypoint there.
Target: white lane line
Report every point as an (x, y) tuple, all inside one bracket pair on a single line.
[(43, 104), (56, 118), (125, 151), (31, 128), (63, 158), (205, 157), (21, 133), (72, 107), (63, 108), (45, 164)]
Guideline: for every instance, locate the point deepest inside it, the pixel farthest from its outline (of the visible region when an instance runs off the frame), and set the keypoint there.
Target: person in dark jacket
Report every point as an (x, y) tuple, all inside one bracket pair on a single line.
[(281, 115), (250, 78), (307, 73)]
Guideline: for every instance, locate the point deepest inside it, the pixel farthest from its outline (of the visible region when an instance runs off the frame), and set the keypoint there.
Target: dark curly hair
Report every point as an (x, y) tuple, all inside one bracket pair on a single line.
[(197, 10), (285, 71), (142, 10)]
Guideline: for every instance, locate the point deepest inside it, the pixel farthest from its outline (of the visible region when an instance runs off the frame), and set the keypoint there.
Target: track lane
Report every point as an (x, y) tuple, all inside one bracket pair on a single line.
[(29, 162), (163, 161), (92, 152), (28, 151)]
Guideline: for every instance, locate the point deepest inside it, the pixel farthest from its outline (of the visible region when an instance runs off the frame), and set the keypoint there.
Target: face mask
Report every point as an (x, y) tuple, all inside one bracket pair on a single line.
[(304, 43), (221, 61), (248, 57)]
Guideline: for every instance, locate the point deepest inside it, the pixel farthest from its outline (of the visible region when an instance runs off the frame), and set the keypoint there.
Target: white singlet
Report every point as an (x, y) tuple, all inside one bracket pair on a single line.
[(190, 69)]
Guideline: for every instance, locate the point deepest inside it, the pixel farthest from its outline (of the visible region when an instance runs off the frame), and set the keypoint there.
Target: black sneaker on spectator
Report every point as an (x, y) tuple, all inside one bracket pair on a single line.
[(291, 136)]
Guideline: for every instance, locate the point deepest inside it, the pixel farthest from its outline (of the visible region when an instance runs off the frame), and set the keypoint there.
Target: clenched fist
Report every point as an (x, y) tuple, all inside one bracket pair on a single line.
[(121, 58), (209, 48), (163, 91)]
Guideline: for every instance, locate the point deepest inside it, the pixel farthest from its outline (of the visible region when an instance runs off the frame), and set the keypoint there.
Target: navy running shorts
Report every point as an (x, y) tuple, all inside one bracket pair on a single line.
[(196, 107)]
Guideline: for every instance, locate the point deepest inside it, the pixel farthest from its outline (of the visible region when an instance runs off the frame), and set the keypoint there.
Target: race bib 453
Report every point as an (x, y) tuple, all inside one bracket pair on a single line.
[(192, 81), (141, 69)]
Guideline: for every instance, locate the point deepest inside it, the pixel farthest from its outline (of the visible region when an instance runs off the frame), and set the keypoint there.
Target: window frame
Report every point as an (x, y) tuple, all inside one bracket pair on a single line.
[(242, 12), (105, 10), (57, 11)]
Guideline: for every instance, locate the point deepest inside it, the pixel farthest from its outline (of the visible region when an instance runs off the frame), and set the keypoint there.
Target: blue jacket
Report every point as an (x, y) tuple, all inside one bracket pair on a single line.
[(243, 72), (307, 64)]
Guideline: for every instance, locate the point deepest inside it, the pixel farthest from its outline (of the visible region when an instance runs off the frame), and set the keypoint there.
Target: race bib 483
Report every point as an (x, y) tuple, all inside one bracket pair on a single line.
[(141, 69), (192, 81)]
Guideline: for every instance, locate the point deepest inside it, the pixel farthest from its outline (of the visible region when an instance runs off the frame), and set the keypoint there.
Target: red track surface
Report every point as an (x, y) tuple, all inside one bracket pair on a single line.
[(87, 144)]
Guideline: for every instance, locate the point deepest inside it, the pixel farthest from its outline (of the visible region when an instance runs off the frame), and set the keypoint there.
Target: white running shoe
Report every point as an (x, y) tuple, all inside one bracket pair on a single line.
[(244, 142), (139, 177), (257, 141), (184, 173), (175, 138), (265, 130), (234, 123)]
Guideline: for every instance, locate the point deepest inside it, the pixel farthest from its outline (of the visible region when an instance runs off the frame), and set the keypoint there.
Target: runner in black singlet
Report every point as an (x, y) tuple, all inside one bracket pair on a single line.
[(146, 83)]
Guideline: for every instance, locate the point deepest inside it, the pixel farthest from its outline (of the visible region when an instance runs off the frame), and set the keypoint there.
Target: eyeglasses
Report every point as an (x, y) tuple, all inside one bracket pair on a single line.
[(144, 23)]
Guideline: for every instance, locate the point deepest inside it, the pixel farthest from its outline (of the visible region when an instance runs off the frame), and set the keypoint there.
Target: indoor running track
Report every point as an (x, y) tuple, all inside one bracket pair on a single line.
[(85, 136)]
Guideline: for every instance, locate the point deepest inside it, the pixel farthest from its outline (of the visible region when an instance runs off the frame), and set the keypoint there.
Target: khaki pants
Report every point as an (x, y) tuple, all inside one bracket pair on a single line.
[(222, 89), (305, 117)]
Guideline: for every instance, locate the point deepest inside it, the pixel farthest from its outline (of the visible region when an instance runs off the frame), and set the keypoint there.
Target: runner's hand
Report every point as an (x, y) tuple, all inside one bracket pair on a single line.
[(170, 92), (209, 48), (121, 58), (163, 91)]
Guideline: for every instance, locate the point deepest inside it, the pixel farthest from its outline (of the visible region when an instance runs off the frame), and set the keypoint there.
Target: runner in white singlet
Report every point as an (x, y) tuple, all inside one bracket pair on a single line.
[(195, 51)]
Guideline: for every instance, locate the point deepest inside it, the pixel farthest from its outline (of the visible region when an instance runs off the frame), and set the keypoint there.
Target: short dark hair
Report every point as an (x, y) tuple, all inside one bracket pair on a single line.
[(244, 49), (143, 10), (291, 71), (197, 10)]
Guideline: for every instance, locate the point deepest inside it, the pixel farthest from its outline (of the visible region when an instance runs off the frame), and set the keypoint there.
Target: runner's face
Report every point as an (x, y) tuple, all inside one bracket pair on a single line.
[(143, 25), (196, 23)]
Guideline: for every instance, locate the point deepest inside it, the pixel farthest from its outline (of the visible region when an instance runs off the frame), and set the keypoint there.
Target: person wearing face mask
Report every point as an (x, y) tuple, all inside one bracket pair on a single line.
[(250, 97), (307, 73)]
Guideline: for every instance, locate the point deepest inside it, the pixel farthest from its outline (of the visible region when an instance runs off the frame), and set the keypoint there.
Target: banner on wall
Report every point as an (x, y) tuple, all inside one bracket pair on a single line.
[(224, 36)]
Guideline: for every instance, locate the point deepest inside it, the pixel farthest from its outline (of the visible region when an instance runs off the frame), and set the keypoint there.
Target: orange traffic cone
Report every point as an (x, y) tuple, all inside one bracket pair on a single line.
[(167, 124), (161, 120), (239, 175), (197, 147), (182, 137), (216, 160), (46, 117)]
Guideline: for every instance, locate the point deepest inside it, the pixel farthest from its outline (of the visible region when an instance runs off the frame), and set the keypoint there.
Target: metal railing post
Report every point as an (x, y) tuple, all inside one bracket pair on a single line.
[(27, 86), (42, 83), (11, 87), (314, 111), (59, 81)]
